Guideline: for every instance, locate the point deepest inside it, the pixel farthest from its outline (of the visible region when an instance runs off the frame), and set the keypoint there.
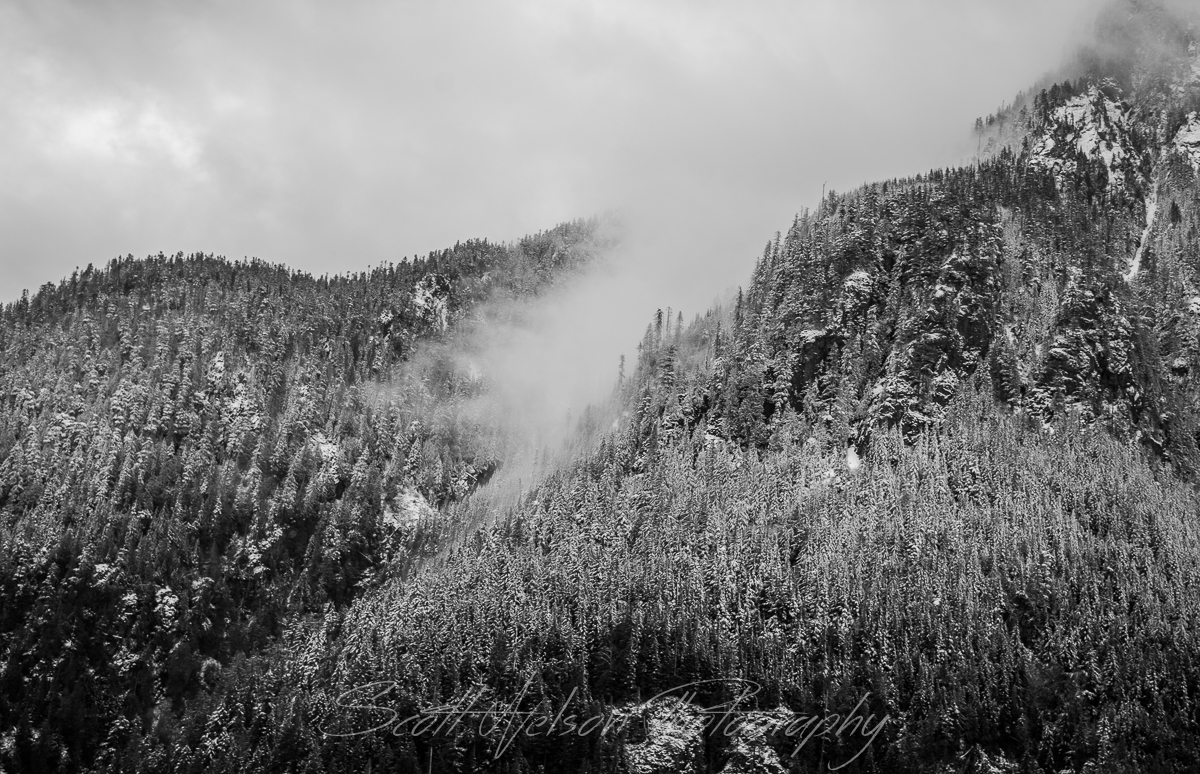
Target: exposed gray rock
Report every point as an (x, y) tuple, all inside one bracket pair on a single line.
[(665, 737), (750, 750)]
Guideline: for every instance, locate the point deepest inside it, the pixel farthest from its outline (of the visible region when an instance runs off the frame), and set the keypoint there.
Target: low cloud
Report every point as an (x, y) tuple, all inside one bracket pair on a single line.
[(336, 137)]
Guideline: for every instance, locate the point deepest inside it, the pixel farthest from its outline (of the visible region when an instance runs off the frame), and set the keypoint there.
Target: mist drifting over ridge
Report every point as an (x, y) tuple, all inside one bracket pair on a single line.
[(332, 141), (685, 246)]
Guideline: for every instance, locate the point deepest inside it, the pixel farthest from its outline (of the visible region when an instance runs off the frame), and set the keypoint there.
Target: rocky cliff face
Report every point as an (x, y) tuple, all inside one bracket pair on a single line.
[(1064, 263)]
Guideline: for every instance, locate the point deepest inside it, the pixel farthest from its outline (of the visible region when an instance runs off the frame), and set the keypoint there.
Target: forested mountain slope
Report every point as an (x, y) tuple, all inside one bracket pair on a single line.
[(937, 463), (1063, 263), (193, 452)]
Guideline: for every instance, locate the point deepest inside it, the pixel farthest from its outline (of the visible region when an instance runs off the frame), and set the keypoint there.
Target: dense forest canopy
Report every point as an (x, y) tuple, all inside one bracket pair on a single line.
[(938, 459)]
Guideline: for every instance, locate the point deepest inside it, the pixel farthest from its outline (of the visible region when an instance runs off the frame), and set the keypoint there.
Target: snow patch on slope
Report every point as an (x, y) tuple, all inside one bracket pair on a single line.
[(431, 300), (1091, 124), (674, 740), (166, 606), (327, 450), (1187, 141), (859, 282), (409, 509), (750, 751), (1151, 212)]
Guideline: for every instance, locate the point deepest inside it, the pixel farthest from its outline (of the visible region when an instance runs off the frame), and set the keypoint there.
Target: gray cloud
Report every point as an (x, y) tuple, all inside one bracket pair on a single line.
[(334, 136)]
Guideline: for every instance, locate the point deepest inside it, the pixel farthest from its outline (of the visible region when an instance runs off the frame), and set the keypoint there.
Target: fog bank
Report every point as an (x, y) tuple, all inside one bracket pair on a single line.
[(333, 137)]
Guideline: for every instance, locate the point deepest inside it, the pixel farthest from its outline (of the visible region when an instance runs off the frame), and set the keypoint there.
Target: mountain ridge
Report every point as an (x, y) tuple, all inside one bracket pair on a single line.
[(937, 462)]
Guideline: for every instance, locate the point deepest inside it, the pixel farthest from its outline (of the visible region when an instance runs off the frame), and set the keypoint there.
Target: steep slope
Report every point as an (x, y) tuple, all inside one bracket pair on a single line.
[(1064, 261), (194, 452)]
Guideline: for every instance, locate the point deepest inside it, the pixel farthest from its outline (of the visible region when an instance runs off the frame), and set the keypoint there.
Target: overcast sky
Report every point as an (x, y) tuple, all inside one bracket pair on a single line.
[(333, 136)]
